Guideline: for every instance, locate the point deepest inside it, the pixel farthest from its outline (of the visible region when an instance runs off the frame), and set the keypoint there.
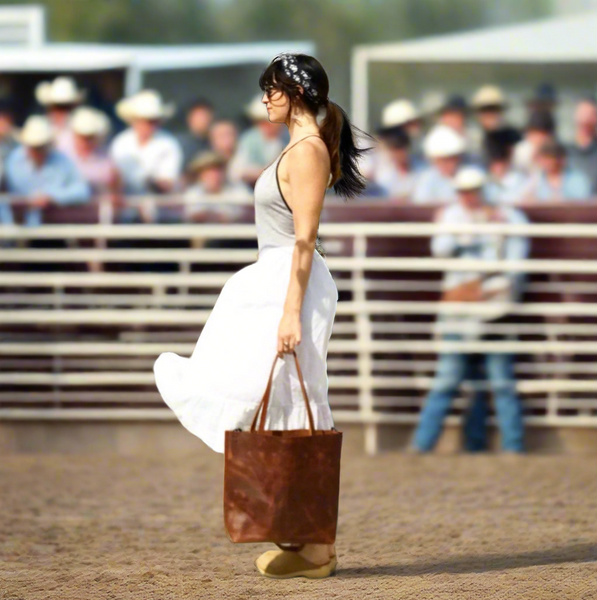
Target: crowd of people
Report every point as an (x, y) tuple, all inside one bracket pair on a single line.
[(68, 154), (420, 153)]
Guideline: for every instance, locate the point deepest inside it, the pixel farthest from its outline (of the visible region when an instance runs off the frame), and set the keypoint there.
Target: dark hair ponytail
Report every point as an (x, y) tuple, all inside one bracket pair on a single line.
[(339, 135)]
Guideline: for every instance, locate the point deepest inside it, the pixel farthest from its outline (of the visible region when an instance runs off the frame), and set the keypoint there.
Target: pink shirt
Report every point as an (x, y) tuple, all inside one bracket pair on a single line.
[(97, 169)]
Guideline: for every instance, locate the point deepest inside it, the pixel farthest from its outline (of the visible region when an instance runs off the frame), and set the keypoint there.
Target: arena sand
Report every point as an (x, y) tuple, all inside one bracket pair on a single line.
[(453, 527)]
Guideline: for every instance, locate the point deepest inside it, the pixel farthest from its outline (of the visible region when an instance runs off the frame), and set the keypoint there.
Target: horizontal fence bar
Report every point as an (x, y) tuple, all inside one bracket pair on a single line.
[(340, 416), (398, 346), (51, 255), (241, 230), (116, 378)]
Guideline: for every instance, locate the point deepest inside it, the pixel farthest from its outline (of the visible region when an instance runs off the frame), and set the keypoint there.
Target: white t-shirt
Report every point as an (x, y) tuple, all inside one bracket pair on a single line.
[(161, 158)]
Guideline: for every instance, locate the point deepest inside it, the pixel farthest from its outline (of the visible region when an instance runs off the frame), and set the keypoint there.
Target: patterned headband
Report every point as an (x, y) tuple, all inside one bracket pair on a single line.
[(299, 75)]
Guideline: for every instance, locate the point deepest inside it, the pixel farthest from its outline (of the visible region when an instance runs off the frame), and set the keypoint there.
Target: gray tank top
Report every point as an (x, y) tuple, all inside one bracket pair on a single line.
[(273, 216)]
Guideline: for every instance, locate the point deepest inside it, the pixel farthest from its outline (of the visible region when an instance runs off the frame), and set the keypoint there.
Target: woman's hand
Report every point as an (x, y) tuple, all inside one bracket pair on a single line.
[(289, 333)]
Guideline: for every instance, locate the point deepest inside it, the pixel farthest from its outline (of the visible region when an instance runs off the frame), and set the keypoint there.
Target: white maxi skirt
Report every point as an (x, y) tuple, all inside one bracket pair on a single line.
[(220, 386)]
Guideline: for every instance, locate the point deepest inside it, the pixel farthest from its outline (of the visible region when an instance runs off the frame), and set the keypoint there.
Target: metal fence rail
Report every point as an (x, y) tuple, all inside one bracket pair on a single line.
[(80, 344)]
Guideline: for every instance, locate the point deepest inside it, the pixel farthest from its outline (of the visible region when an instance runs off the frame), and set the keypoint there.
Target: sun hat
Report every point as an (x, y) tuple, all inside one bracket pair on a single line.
[(489, 96), (257, 110), (469, 178), (146, 104), (37, 131), (399, 112), (89, 121), (205, 160), (63, 90), (443, 141)]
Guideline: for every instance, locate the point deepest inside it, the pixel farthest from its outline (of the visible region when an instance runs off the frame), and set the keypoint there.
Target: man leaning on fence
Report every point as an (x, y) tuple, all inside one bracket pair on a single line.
[(489, 290), (39, 175)]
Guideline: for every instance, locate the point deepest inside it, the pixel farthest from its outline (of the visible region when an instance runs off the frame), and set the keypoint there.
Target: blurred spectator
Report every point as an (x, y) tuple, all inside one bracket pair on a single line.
[(90, 128), (403, 114), (493, 289), (199, 118), (60, 98), (258, 146), (8, 131), (505, 184), (540, 129), (445, 150), (209, 172), (148, 158), (454, 114), (556, 180), (40, 174), (490, 105), (545, 99), (582, 153), (395, 169), (223, 139)]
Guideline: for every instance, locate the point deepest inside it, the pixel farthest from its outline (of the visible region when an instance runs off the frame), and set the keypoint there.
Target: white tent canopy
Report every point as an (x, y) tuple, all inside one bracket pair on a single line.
[(137, 60), (570, 39)]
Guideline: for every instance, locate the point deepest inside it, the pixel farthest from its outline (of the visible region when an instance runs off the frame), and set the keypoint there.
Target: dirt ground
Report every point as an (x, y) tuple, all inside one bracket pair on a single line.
[(425, 528)]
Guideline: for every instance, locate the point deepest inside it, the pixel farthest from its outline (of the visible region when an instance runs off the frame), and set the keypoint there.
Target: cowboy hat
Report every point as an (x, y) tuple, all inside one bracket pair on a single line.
[(443, 141), (469, 178), (399, 112), (37, 131), (256, 110), (205, 160), (146, 104), (489, 96), (89, 121), (63, 90)]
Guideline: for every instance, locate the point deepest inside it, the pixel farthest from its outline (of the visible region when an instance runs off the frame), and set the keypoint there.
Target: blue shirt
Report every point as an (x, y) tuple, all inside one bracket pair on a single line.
[(58, 177), (433, 188), (575, 186)]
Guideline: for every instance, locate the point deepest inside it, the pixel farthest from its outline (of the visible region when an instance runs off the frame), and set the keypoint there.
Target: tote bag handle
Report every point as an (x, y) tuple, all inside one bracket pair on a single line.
[(264, 404)]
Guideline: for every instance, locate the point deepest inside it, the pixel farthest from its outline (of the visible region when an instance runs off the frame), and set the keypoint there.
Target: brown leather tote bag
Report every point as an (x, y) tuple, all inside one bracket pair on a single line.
[(282, 486)]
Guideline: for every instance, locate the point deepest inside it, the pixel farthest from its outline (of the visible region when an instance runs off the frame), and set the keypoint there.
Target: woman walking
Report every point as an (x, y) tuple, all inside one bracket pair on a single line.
[(284, 302)]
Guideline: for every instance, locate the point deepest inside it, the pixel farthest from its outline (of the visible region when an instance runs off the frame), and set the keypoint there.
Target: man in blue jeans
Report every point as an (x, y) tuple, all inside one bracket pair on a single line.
[(459, 286)]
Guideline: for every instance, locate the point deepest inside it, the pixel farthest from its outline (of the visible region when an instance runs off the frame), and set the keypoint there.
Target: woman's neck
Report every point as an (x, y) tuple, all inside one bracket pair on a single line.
[(307, 126)]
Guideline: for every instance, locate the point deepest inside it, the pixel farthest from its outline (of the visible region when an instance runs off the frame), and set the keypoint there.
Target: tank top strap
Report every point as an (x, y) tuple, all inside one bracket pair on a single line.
[(293, 145)]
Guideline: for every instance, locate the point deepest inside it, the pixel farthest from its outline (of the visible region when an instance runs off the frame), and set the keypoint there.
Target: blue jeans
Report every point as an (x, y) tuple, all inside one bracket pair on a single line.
[(452, 370), (474, 427)]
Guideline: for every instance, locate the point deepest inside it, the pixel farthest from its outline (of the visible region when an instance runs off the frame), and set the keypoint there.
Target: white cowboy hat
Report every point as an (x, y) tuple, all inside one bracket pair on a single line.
[(469, 178), (257, 110), (399, 112), (146, 104), (443, 141), (89, 121), (63, 90), (489, 95), (37, 131)]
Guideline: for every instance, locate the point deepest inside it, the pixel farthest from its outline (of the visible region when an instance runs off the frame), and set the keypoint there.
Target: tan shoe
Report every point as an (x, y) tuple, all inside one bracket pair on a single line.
[(283, 564)]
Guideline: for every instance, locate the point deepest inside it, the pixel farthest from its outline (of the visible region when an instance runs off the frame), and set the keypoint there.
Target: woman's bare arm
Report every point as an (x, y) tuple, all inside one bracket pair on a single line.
[(303, 182), (307, 175)]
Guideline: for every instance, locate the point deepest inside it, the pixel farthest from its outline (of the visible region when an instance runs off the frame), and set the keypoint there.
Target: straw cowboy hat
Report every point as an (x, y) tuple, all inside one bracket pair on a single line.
[(256, 110), (37, 131), (146, 104), (399, 112), (489, 96), (205, 160), (63, 90), (469, 178), (89, 121), (442, 141)]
